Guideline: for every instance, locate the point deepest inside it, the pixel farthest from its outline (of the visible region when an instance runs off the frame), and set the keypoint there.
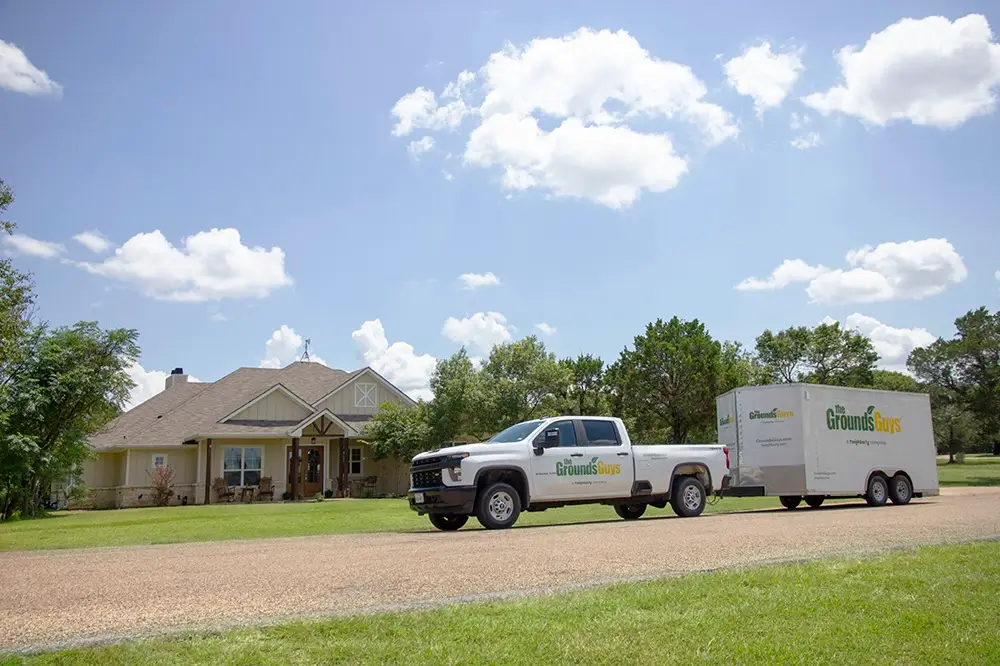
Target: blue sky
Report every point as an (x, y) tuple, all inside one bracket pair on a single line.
[(277, 121)]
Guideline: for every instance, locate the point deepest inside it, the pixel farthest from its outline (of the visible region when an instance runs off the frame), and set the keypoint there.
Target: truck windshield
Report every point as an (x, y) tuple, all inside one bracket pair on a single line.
[(516, 432)]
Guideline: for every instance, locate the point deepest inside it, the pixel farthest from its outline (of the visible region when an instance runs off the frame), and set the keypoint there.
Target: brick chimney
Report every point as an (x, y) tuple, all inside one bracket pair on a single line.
[(176, 376)]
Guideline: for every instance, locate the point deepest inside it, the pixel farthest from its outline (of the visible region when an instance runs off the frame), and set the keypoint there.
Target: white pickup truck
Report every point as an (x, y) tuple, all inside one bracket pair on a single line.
[(545, 463)]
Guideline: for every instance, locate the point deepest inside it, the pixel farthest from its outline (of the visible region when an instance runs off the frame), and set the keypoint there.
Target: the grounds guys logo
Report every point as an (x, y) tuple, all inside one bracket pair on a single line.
[(837, 418), (757, 415), (726, 420), (593, 468)]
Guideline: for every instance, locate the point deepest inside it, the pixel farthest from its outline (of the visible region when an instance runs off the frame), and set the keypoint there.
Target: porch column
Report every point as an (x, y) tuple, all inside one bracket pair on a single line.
[(208, 471), (295, 468), (342, 466)]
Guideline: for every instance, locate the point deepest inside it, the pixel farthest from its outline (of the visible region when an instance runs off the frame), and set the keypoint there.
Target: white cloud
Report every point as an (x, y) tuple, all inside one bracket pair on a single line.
[(930, 71), (147, 384), (93, 241), (420, 146), (19, 75), (22, 244), (806, 141), (283, 347), (419, 110), (797, 121), (546, 328), (211, 265), (447, 175), (911, 270), (482, 330), (396, 362), (763, 75), (892, 344), (790, 271), (217, 316), (997, 275), (476, 280), (593, 83)]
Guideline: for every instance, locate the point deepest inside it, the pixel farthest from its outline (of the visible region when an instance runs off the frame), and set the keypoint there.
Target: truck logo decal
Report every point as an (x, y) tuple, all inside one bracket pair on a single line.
[(837, 418), (775, 413), (594, 467), (726, 420)]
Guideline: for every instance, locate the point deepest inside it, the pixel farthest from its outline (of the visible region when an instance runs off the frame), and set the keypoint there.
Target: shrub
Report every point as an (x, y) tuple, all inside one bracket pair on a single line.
[(163, 485)]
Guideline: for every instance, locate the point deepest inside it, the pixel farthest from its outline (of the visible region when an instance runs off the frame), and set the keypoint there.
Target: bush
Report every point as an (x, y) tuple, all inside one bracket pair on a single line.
[(328, 493), (163, 485)]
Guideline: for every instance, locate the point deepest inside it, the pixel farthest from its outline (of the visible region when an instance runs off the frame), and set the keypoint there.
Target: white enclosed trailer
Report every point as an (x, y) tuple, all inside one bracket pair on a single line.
[(808, 441)]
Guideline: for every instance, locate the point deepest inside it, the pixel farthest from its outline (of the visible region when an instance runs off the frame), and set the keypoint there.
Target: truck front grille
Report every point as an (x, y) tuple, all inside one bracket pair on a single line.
[(427, 479)]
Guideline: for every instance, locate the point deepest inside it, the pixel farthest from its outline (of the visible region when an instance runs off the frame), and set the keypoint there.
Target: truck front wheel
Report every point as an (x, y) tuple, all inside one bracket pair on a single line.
[(688, 497), (448, 522), (630, 511), (498, 506)]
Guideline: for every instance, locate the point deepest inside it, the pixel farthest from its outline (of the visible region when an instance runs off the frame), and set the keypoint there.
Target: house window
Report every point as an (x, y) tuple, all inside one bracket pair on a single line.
[(355, 463), (364, 395), (159, 460), (241, 466)]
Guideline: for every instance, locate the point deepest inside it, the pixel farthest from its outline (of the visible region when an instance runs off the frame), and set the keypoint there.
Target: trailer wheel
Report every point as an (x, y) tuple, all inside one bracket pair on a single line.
[(687, 498), (448, 522), (498, 506), (814, 501), (878, 491), (630, 511), (900, 489), (790, 501)]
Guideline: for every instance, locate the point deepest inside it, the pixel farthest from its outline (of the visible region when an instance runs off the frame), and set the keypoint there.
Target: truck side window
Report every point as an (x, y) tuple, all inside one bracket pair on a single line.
[(601, 433), (567, 433)]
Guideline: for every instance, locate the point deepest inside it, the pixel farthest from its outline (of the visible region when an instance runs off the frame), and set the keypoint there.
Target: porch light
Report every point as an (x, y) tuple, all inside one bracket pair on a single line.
[(313, 440)]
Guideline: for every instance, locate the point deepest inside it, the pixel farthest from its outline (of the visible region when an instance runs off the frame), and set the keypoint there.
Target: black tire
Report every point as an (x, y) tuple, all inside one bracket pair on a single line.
[(790, 501), (630, 511), (448, 522), (900, 489), (687, 498), (814, 501), (498, 506), (878, 491)]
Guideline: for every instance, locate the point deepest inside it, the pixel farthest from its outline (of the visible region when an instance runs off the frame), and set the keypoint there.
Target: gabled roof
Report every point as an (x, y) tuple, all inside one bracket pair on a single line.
[(366, 371), (197, 409)]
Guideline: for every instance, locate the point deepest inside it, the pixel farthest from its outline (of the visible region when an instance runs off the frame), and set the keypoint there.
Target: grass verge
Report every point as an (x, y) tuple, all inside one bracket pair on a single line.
[(977, 470), (934, 605)]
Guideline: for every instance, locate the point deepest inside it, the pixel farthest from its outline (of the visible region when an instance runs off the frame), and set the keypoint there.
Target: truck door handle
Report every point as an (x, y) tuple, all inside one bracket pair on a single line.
[(622, 453), (576, 455)]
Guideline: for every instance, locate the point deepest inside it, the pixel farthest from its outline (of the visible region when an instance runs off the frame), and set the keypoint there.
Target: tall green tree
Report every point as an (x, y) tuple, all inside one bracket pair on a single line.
[(518, 378), (968, 367), (399, 432), (826, 354), (668, 381), (71, 387), (890, 380), (18, 336), (585, 393), (458, 395), (783, 354)]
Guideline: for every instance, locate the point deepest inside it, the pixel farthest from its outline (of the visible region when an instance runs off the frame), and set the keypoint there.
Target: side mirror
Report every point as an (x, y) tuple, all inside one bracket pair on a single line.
[(546, 440)]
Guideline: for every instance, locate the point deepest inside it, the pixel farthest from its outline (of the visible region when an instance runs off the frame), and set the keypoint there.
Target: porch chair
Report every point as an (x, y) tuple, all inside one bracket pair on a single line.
[(223, 493), (368, 486), (266, 488)]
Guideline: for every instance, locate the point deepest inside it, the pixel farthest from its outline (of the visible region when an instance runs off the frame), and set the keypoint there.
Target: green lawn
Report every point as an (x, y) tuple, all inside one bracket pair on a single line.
[(978, 470), (935, 605), (217, 522)]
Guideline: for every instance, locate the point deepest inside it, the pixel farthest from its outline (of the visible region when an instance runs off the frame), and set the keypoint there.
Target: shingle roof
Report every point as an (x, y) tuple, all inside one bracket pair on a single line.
[(192, 408)]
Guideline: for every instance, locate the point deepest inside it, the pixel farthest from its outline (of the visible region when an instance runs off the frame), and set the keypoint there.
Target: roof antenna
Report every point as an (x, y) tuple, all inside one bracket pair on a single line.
[(305, 354)]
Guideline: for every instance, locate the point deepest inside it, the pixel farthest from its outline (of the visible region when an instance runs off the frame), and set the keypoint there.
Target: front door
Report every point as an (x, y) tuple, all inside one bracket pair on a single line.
[(310, 470)]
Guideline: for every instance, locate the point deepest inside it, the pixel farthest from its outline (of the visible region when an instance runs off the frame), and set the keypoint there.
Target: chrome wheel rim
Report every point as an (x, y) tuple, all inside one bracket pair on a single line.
[(501, 506), (878, 491), (902, 489), (692, 498)]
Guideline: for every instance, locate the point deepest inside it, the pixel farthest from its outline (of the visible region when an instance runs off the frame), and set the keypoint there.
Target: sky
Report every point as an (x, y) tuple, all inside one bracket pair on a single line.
[(397, 180)]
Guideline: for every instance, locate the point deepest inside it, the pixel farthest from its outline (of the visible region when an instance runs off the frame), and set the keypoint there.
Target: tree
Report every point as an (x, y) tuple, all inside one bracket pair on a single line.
[(517, 379), (398, 432), (73, 385), (967, 367), (585, 392), (17, 335), (669, 381), (954, 427), (827, 354), (739, 367), (890, 380), (457, 393)]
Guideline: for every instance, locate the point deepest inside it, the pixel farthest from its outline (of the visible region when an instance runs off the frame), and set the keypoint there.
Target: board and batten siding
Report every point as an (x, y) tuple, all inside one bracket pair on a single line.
[(346, 400), (275, 407), (107, 470), (184, 462)]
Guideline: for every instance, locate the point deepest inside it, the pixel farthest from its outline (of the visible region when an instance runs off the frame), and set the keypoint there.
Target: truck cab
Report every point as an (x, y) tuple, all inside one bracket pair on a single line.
[(545, 463)]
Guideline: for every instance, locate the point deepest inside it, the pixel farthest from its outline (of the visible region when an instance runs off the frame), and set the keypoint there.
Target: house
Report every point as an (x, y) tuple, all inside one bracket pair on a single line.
[(252, 423)]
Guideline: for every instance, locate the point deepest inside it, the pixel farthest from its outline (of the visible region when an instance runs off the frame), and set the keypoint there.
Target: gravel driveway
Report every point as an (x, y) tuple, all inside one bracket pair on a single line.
[(60, 598)]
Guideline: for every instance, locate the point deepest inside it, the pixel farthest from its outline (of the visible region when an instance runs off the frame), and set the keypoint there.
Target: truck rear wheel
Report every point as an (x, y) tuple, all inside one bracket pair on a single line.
[(630, 511), (448, 522), (687, 497), (900, 489), (878, 491), (498, 506), (814, 501), (790, 501)]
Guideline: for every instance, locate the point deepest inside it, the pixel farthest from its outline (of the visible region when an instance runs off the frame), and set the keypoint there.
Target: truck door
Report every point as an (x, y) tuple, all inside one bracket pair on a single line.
[(553, 472), (609, 458)]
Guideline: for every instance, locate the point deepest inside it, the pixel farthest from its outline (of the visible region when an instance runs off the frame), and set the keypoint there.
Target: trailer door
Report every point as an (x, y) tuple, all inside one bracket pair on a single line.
[(726, 411)]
